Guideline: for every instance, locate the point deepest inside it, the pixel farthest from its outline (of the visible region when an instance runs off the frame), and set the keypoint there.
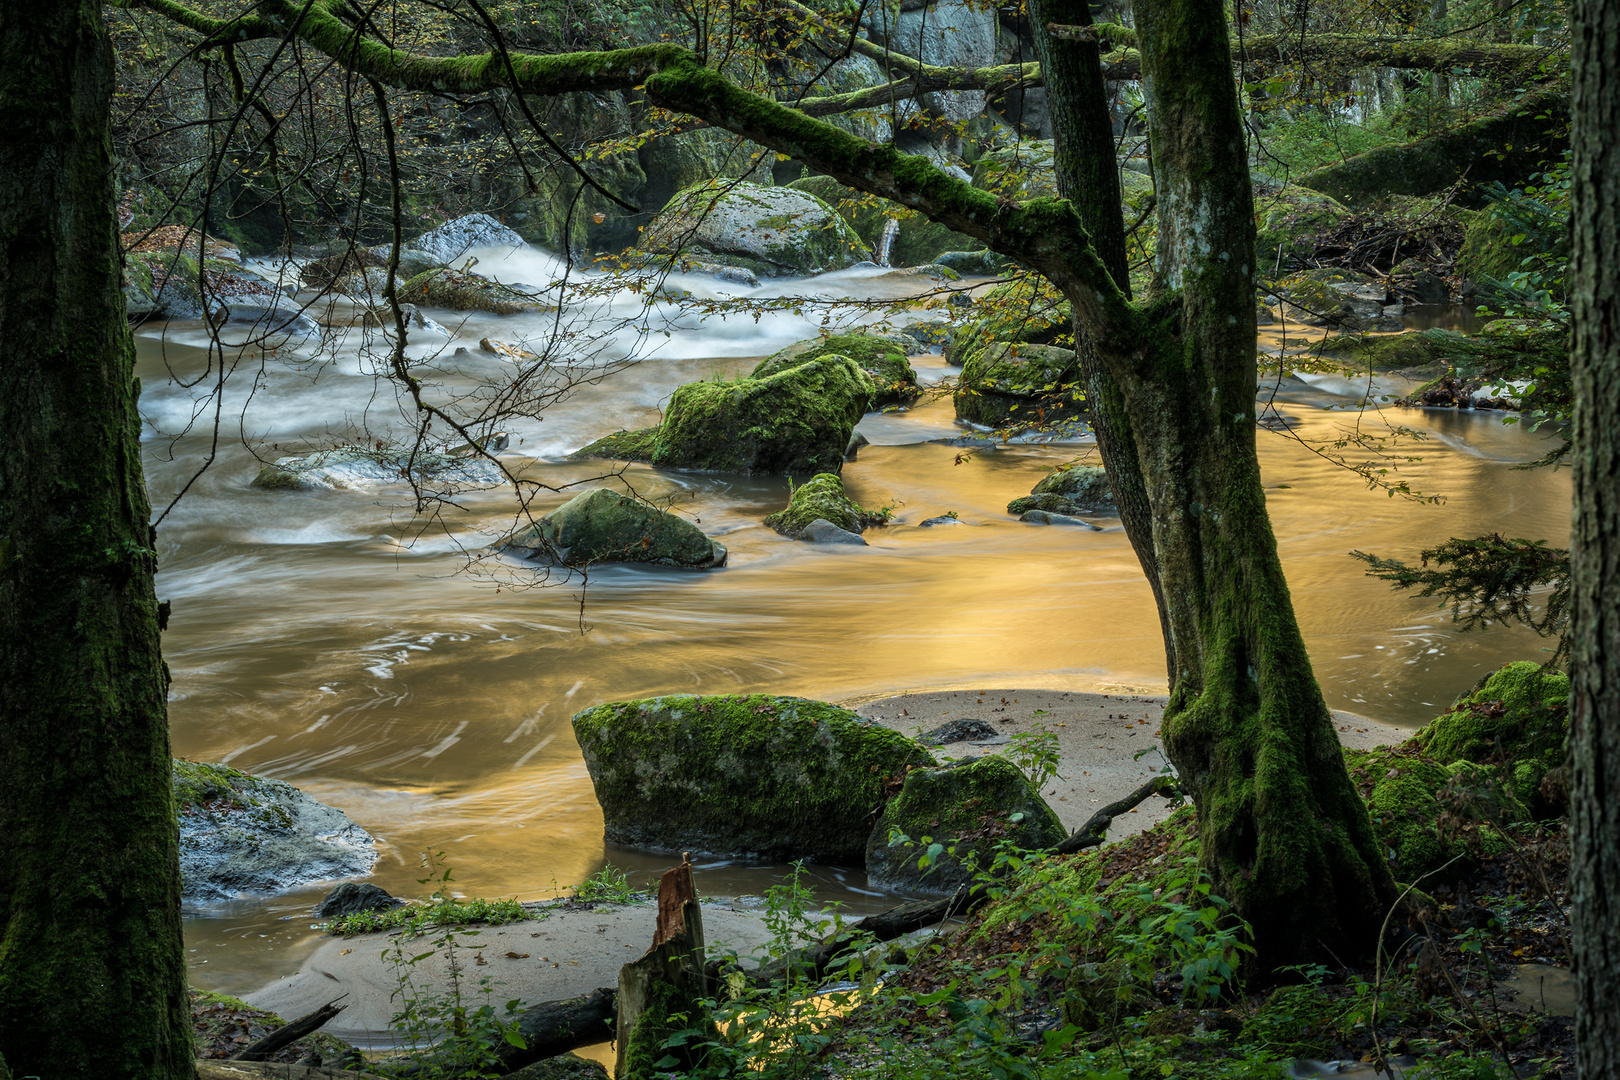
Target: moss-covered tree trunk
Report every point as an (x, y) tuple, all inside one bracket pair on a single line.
[(1594, 743), (92, 976)]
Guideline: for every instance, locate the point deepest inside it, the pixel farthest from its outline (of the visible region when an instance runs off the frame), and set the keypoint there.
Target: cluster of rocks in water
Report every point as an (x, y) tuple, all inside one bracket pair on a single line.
[(787, 778)]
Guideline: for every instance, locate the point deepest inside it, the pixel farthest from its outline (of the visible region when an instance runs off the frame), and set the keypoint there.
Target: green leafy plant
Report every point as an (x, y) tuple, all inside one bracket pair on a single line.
[(609, 885), (1037, 754)]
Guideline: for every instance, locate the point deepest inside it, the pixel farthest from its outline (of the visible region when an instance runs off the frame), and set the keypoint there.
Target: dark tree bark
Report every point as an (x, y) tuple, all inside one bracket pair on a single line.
[(92, 978), (1594, 740)]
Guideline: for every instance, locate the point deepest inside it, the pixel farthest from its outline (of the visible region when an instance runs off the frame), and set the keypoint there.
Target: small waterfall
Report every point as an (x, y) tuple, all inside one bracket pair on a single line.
[(891, 229)]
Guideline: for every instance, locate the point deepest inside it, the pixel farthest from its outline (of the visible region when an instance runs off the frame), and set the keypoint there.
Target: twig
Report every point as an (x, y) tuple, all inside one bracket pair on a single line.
[(292, 1032)]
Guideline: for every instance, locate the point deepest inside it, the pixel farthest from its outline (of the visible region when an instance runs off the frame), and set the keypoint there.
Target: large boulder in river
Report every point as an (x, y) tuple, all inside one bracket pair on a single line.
[(881, 356), (795, 421), (248, 834), (1018, 384), (744, 777), (455, 238), (462, 290), (968, 807), (602, 525), (1330, 297), (769, 230), (1070, 489)]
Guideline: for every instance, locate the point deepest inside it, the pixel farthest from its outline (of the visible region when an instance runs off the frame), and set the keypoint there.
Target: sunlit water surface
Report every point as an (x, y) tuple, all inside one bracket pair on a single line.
[(386, 664)]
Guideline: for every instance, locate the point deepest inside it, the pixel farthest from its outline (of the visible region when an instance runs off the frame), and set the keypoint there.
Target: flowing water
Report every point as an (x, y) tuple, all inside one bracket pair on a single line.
[(337, 640)]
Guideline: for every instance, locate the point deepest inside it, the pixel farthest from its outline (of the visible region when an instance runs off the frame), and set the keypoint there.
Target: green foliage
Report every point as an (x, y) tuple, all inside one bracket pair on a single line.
[(419, 918), (1490, 580), (1037, 753), (609, 885)]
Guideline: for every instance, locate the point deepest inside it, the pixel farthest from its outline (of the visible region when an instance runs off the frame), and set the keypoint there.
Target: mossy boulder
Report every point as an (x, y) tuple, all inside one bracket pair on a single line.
[(603, 526), (248, 834), (756, 776), (462, 290), (1518, 719), (1083, 484), (1331, 297), (795, 421), (562, 1067), (1399, 786), (881, 356), (1488, 254), (1027, 310), (969, 807), (167, 283), (1048, 503), (917, 242), (821, 497), (773, 230), (1288, 221), (1019, 383)]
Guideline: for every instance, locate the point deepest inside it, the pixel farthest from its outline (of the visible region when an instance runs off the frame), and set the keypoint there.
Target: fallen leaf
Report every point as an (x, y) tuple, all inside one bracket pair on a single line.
[(518, 955)]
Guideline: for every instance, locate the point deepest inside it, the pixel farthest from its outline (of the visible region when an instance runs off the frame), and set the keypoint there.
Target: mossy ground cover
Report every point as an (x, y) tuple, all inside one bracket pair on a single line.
[(222, 1025)]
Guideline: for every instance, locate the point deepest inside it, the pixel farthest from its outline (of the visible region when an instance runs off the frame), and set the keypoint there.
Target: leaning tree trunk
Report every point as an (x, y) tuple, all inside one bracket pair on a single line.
[(1594, 744), (92, 977), (1282, 831)]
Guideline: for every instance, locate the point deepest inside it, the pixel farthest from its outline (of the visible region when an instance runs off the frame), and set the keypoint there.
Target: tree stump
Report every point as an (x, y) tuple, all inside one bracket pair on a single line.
[(662, 993)]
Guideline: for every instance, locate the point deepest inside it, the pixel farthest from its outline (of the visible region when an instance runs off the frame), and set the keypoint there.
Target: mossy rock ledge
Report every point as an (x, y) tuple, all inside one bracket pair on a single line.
[(822, 496), (348, 467), (969, 807), (603, 526), (1069, 489), (741, 776), (1008, 383), (882, 357), (795, 421), (248, 834)]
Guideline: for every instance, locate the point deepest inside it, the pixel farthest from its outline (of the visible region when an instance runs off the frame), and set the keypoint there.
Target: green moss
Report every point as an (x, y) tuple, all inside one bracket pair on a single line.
[(780, 777), (196, 783), (602, 525), (883, 360), (1052, 504), (1399, 786), (795, 421), (1287, 223), (970, 808), (1085, 484), (668, 1009), (1519, 718), (1012, 383), (822, 496), (420, 918)]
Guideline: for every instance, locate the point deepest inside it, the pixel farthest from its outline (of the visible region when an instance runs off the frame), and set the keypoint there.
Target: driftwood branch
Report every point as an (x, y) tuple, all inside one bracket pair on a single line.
[(1091, 834), (289, 1033)]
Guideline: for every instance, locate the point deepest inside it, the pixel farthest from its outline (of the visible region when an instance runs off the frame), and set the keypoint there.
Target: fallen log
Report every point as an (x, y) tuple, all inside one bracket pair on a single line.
[(289, 1033)]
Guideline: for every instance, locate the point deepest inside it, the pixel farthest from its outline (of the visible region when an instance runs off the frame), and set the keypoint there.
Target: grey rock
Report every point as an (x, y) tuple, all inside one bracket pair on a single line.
[(942, 519), (248, 834), (354, 897), (274, 324), (1046, 517), (782, 230), (602, 525), (562, 1067), (955, 34), (1055, 504), (1086, 485), (348, 467), (455, 238), (856, 441), (822, 531), (967, 729)]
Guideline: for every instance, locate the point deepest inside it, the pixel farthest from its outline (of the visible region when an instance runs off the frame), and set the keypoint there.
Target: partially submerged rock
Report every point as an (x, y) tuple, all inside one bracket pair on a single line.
[(822, 531), (821, 497), (463, 290), (1019, 383), (1337, 298), (455, 238), (602, 525), (769, 230), (1069, 489), (969, 807), (756, 776), (354, 898), (347, 467), (881, 356), (795, 421), (248, 834), (1047, 517)]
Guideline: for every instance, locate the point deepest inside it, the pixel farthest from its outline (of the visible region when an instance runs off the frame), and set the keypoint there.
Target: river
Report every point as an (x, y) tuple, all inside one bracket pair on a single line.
[(340, 641)]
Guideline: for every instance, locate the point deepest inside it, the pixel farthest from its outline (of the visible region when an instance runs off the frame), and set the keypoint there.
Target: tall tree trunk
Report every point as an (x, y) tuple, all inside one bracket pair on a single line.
[(1282, 831), (92, 977), (1594, 744)]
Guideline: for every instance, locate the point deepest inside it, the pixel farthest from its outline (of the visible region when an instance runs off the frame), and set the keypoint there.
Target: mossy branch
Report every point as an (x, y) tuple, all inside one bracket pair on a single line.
[(992, 80), (214, 31)]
